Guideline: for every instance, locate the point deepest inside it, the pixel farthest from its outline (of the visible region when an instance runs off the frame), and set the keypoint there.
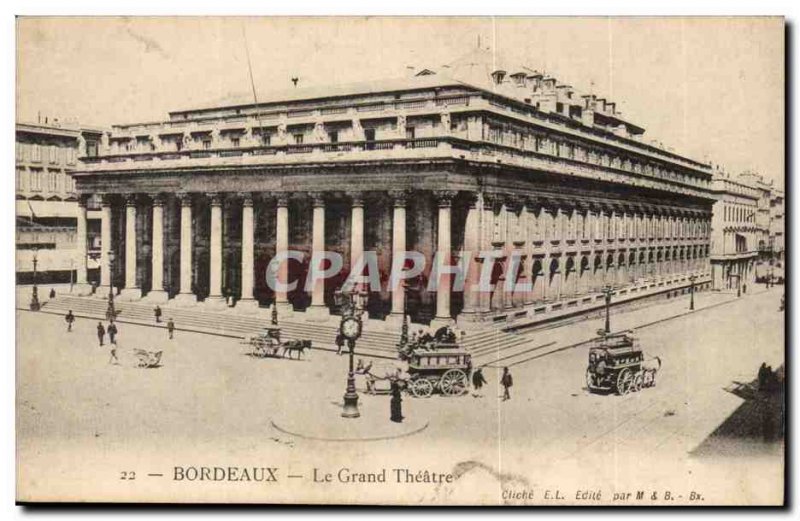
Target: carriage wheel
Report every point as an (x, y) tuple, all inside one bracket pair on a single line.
[(421, 388), (453, 382), (624, 380), (638, 380)]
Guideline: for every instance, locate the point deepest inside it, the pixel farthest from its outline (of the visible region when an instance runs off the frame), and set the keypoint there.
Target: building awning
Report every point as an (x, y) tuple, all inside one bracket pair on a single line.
[(33, 209)]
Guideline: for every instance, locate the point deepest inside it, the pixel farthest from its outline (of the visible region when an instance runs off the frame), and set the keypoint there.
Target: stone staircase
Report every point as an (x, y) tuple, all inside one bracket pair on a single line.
[(485, 344), (224, 323)]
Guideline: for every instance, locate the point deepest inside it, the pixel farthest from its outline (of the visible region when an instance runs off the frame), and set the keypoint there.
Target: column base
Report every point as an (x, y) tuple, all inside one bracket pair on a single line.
[(102, 292), (394, 322), (158, 296), (184, 300), (249, 305), (215, 302), (438, 322), (317, 314), (130, 294), (83, 289)]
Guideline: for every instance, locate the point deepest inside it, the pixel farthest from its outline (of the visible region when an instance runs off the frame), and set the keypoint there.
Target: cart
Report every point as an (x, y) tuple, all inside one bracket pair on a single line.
[(445, 367), (267, 343), (617, 364)]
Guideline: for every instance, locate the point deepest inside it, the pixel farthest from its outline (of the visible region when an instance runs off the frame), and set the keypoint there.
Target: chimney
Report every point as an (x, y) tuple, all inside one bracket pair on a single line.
[(612, 107), (589, 107)]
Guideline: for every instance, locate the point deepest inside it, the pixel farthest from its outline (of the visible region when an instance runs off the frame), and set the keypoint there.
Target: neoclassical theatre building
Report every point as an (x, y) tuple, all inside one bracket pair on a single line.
[(195, 207)]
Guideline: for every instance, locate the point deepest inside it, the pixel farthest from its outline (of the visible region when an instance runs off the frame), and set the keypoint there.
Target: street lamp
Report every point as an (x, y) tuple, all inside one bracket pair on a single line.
[(608, 290), (691, 291), (35, 305), (110, 312), (352, 305)]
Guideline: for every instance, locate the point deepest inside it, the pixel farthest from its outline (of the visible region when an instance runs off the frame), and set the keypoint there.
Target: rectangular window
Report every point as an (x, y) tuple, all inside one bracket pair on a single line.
[(91, 148), (235, 142), (206, 144), (20, 151), (298, 139), (37, 153), (333, 136), (36, 180), (411, 133), (265, 139), (53, 154), (20, 180)]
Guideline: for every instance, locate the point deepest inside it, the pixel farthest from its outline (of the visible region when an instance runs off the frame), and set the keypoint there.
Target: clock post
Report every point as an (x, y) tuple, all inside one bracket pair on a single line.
[(350, 328)]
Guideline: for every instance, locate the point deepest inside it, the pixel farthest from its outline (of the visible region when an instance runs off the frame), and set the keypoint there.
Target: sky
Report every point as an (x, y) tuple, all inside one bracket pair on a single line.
[(711, 88)]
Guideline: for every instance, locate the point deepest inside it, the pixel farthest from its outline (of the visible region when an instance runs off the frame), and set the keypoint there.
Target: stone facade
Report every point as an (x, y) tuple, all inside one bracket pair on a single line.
[(570, 198)]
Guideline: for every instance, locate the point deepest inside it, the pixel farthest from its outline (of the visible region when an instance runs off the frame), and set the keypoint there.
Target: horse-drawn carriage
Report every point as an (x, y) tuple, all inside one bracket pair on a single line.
[(616, 363), (267, 343), (446, 368)]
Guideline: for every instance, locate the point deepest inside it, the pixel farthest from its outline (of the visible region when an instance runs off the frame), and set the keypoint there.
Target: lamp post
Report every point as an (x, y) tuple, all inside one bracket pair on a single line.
[(608, 290), (110, 312), (352, 305), (35, 305), (691, 291)]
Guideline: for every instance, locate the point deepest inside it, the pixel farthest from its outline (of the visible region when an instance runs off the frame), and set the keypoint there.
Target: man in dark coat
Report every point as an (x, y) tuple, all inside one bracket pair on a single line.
[(762, 377), (112, 332), (339, 343), (396, 404), (477, 381), (170, 327), (506, 381), (101, 332), (52, 293), (69, 318), (157, 313)]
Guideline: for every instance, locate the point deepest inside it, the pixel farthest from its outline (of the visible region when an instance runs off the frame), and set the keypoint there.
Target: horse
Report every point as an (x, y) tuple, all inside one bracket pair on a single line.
[(296, 345)]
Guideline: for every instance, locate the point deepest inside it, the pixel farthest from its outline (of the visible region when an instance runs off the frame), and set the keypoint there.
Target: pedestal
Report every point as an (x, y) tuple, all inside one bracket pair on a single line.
[(184, 300), (130, 294), (157, 297), (317, 314), (249, 306)]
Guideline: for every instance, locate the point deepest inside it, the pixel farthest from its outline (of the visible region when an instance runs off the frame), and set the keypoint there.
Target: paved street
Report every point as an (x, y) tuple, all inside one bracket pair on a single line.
[(83, 421)]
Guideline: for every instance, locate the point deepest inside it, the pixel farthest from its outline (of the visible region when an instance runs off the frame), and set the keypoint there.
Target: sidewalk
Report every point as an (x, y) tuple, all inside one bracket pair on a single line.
[(536, 343)]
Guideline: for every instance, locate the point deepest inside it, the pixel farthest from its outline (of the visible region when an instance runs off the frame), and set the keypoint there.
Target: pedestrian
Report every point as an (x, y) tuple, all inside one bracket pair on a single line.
[(157, 313), (101, 332), (339, 343), (477, 381), (94, 287), (52, 293), (170, 327), (113, 356), (396, 404), (506, 381), (112, 332), (744, 288), (69, 318), (762, 376)]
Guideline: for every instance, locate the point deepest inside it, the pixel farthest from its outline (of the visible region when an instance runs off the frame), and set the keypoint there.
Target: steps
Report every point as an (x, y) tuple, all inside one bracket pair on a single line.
[(224, 323)]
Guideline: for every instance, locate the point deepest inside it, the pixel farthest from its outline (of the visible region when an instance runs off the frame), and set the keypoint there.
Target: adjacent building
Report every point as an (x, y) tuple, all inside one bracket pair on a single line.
[(47, 202), (735, 234), (448, 162)]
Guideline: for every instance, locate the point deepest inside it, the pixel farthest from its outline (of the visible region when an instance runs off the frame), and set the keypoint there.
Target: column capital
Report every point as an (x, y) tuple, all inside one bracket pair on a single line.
[(515, 203), (492, 201), (356, 198), (216, 198), (131, 199), (158, 198), (106, 199), (83, 200), (185, 198), (399, 198), (246, 197), (444, 198), (317, 199), (282, 199)]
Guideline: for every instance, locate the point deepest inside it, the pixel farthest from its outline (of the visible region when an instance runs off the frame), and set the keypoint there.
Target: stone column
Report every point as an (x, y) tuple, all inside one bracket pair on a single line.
[(186, 296), (132, 290), (398, 247), (82, 247), (106, 245), (472, 238), (215, 297), (356, 229), (157, 293), (317, 308), (445, 200), (282, 246), (527, 215), (247, 301)]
